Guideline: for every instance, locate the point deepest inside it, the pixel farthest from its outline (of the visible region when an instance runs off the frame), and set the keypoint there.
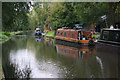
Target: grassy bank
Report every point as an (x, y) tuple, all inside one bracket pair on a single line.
[(4, 36), (96, 36), (50, 34)]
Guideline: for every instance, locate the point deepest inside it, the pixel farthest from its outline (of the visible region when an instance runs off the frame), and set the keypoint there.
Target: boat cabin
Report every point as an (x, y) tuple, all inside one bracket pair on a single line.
[(37, 32), (73, 34), (111, 36)]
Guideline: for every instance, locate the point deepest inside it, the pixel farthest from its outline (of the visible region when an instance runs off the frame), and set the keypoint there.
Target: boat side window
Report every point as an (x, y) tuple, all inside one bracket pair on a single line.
[(61, 33), (65, 51), (105, 35), (114, 36), (65, 34), (58, 33), (72, 35), (68, 34)]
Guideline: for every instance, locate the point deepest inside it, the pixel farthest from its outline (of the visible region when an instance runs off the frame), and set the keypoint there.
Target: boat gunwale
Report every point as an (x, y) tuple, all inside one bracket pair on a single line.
[(108, 29)]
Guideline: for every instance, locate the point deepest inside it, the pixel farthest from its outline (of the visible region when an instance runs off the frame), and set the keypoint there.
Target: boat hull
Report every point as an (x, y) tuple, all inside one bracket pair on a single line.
[(72, 40), (70, 43)]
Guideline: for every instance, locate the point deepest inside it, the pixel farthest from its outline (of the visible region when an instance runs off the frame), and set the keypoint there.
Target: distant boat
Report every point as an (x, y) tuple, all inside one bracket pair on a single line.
[(109, 37), (37, 32), (79, 36)]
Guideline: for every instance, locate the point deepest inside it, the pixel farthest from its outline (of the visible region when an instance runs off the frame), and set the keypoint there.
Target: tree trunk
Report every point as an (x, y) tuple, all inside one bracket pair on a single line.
[(112, 8)]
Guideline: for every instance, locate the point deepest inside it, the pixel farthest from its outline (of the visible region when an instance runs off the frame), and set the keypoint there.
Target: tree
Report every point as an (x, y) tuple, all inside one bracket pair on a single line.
[(14, 15), (66, 14)]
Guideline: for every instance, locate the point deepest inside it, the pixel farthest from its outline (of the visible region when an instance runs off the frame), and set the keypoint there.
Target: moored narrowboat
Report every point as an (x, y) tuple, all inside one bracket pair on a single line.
[(79, 36), (38, 32), (109, 37)]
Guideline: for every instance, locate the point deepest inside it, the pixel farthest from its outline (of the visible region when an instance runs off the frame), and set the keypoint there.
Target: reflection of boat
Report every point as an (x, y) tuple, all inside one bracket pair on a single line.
[(109, 37), (75, 36), (48, 40), (37, 32), (83, 52), (38, 38)]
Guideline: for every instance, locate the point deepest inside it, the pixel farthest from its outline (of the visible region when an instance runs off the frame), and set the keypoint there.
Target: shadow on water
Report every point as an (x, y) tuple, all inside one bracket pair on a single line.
[(36, 57)]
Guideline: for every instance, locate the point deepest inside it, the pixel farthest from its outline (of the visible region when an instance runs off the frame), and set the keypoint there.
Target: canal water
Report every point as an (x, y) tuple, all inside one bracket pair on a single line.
[(33, 57)]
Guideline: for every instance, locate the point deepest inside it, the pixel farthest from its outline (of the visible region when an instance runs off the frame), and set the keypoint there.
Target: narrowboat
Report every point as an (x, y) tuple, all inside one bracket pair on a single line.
[(79, 36), (37, 32), (109, 37)]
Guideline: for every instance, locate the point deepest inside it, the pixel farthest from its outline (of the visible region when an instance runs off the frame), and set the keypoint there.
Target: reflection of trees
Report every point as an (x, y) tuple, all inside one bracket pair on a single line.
[(22, 73), (79, 67), (41, 50), (74, 68), (14, 43), (13, 71)]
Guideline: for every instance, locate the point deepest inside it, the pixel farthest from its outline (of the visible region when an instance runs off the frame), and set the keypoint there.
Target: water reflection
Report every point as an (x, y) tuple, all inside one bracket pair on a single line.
[(26, 65), (85, 61), (37, 38), (109, 57), (24, 57), (49, 41), (83, 52)]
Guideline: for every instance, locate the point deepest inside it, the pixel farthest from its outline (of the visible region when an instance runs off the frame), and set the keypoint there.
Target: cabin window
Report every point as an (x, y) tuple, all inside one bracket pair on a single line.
[(58, 33), (65, 34), (61, 33), (114, 36), (68, 34), (65, 51), (105, 35), (72, 35)]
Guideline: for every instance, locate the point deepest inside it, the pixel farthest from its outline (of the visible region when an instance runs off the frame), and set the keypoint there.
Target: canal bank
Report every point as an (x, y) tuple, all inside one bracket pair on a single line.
[(4, 36), (1, 71)]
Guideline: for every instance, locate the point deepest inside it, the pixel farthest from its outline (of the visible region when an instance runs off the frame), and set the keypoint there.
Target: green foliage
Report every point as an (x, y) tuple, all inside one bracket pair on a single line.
[(4, 36), (18, 16), (6, 33), (66, 14), (14, 16), (96, 36)]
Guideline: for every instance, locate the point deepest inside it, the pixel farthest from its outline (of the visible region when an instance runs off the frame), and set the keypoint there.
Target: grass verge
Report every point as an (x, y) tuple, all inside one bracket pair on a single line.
[(50, 34), (96, 36), (1, 71), (4, 36)]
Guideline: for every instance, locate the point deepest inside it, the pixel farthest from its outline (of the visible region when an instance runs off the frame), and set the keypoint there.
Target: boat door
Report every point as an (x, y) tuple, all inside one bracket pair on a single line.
[(79, 35)]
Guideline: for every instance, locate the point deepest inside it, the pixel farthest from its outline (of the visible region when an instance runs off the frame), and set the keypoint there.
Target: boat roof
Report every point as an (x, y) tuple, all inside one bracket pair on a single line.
[(70, 30), (108, 29), (37, 28)]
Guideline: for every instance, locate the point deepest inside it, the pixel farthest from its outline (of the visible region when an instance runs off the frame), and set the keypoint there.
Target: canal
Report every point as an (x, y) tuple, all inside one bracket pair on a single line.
[(25, 56)]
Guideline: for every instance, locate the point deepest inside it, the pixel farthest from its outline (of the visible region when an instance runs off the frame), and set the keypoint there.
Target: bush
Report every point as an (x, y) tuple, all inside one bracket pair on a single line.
[(3, 36), (6, 33)]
